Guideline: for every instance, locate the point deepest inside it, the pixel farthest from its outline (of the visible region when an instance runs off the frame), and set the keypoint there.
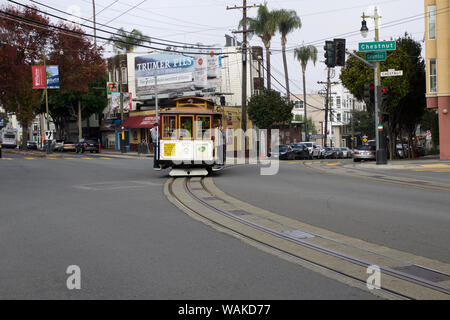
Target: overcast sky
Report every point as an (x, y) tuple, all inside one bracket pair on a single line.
[(207, 21)]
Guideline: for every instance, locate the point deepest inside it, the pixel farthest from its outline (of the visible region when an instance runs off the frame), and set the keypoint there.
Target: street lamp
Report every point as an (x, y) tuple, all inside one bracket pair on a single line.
[(364, 30)]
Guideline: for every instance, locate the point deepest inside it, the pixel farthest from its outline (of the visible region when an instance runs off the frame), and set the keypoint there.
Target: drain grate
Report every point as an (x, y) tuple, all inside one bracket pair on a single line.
[(240, 212), (423, 273), (298, 234), (211, 199)]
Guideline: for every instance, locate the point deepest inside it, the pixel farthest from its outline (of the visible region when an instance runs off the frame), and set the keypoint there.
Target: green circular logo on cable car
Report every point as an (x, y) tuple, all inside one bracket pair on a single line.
[(201, 149)]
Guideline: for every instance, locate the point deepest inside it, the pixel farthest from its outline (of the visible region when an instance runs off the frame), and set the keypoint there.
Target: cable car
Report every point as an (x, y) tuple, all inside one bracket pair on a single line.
[(191, 136)]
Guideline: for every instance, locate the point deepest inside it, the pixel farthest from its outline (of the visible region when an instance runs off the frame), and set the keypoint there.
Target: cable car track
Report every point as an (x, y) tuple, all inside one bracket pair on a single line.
[(201, 203)]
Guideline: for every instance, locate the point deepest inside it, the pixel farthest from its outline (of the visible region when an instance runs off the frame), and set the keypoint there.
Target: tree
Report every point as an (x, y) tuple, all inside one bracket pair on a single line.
[(126, 41), (303, 55), (63, 105), (21, 46), (364, 124), (311, 125), (81, 64), (287, 22), (264, 26), (269, 108)]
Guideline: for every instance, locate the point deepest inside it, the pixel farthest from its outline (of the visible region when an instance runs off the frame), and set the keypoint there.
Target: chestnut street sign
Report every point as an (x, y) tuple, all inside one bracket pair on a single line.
[(377, 46)]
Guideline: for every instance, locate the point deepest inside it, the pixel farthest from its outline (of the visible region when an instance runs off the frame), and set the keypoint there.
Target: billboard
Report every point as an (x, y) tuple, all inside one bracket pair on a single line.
[(177, 73)]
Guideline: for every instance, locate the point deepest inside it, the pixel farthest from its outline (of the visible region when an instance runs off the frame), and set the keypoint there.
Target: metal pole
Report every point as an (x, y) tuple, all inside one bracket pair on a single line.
[(353, 124), (157, 115), (95, 24), (46, 103), (381, 149), (244, 73), (327, 103), (122, 135)]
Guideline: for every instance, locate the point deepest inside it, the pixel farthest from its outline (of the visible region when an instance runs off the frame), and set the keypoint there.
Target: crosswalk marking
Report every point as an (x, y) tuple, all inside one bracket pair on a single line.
[(29, 159)]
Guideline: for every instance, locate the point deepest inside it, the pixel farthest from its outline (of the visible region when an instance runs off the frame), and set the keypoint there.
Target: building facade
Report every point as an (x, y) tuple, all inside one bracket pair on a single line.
[(437, 55)]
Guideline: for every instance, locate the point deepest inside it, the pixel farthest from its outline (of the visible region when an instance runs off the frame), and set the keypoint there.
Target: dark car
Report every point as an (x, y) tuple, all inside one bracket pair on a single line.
[(91, 145), (301, 151), (32, 145), (339, 153), (283, 152), (330, 153)]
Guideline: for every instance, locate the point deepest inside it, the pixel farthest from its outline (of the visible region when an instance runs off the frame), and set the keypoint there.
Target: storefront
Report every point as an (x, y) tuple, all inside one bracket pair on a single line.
[(139, 129)]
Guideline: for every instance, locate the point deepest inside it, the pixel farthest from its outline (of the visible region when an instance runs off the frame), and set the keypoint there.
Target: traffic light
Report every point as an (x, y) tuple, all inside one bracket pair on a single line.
[(340, 52), (330, 54), (384, 96), (384, 117), (369, 93)]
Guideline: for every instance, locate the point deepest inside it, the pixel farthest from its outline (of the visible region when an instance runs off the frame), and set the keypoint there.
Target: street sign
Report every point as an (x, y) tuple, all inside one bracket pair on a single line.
[(392, 73), (377, 46), (376, 56)]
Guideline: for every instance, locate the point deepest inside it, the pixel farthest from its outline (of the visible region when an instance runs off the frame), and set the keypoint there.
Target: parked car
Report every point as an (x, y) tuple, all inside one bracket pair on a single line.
[(88, 145), (330, 153), (346, 152), (32, 145), (339, 153), (283, 152), (420, 151), (300, 151), (312, 150), (365, 153), (400, 150), (69, 146), (58, 145), (321, 151)]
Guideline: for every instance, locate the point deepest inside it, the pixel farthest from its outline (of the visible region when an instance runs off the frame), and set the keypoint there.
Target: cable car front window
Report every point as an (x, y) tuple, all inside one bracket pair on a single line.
[(186, 126)]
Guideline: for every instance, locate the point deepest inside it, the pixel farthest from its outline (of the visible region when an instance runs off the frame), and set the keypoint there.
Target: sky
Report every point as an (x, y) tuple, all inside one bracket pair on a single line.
[(207, 22)]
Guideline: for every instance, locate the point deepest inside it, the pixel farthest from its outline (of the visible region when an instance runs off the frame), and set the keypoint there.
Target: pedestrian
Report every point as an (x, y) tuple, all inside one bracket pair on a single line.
[(155, 140)]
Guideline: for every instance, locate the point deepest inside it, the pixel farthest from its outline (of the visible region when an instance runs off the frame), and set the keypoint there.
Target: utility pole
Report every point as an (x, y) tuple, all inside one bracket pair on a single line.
[(95, 24), (122, 133), (244, 65), (46, 103), (327, 105), (353, 124)]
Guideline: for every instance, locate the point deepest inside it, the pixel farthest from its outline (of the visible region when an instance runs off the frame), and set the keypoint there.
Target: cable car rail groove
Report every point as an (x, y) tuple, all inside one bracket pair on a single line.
[(188, 199)]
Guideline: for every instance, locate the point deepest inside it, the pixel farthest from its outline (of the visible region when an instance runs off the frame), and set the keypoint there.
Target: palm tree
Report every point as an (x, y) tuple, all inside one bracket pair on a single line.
[(287, 21), (126, 41), (303, 55), (264, 26)]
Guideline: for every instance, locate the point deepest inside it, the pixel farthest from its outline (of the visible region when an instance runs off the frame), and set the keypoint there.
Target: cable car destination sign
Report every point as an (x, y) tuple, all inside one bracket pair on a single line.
[(377, 46)]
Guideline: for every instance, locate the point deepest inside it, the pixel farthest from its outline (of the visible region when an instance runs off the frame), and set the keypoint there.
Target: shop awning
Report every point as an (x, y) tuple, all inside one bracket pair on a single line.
[(140, 122)]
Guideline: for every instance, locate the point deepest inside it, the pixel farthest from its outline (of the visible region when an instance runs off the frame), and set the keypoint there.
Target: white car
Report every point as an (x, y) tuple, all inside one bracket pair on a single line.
[(314, 152)]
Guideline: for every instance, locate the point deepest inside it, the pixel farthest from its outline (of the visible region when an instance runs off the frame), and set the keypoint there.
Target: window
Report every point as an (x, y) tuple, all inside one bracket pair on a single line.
[(433, 76), (169, 126), (203, 125), (298, 104), (338, 117), (186, 126), (338, 102), (432, 22)]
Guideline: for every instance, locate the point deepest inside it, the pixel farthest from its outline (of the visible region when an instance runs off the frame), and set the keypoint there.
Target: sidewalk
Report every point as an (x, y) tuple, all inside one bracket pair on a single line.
[(422, 162)]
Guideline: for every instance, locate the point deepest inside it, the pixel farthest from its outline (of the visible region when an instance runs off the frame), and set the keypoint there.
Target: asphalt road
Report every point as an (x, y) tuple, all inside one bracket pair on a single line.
[(111, 218), (400, 217)]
